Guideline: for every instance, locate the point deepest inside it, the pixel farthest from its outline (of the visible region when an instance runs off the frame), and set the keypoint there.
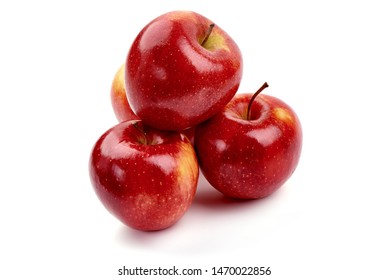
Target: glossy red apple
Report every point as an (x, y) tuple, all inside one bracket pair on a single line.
[(145, 177), (248, 153), (120, 105), (180, 70), (122, 108)]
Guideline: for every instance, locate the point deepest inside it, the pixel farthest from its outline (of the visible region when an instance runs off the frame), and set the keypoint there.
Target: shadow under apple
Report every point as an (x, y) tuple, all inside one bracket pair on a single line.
[(210, 198), (211, 215)]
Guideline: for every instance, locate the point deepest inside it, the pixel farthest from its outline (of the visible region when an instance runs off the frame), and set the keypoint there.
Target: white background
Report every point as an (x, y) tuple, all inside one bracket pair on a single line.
[(329, 60)]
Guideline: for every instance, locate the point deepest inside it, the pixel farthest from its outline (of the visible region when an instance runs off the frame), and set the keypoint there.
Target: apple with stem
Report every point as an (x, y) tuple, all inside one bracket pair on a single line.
[(145, 177), (250, 148), (180, 70)]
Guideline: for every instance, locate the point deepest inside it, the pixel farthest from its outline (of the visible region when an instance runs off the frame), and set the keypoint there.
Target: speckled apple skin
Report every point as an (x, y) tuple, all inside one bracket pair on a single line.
[(172, 81), (122, 108), (145, 177), (249, 159)]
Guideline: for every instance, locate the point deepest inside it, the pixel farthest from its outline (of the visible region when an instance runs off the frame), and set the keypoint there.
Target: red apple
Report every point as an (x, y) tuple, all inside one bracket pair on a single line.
[(180, 70), (122, 108), (120, 105), (248, 153), (145, 177)]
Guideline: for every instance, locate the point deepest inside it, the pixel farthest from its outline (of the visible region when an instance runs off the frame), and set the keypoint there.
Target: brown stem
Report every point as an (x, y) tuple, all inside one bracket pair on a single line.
[(209, 31), (265, 85)]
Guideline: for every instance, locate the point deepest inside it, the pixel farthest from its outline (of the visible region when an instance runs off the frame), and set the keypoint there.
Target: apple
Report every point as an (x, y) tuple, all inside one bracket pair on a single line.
[(120, 105), (145, 177), (250, 148), (180, 70)]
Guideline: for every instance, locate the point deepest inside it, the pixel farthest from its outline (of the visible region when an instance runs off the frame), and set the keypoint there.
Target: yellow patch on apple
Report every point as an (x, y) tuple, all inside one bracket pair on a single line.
[(187, 170), (216, 41), (283, 115)]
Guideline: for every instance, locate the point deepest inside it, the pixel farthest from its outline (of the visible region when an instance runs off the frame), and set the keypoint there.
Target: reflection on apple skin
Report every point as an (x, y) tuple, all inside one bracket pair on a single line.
[(265, 136)]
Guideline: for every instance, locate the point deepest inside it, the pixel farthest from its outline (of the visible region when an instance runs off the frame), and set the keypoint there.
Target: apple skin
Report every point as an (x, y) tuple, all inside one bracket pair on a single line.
[(145, 177), (122, 108), (120, 105), (173, 80), (249, 159)]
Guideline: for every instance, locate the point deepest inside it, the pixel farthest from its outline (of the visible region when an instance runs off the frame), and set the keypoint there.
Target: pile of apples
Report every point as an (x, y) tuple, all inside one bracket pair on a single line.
[(176, 103)]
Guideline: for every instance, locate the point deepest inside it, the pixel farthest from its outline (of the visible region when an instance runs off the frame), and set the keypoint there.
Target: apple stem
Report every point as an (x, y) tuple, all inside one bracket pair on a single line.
[(265, 85), (141, 132), (211, 26)]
